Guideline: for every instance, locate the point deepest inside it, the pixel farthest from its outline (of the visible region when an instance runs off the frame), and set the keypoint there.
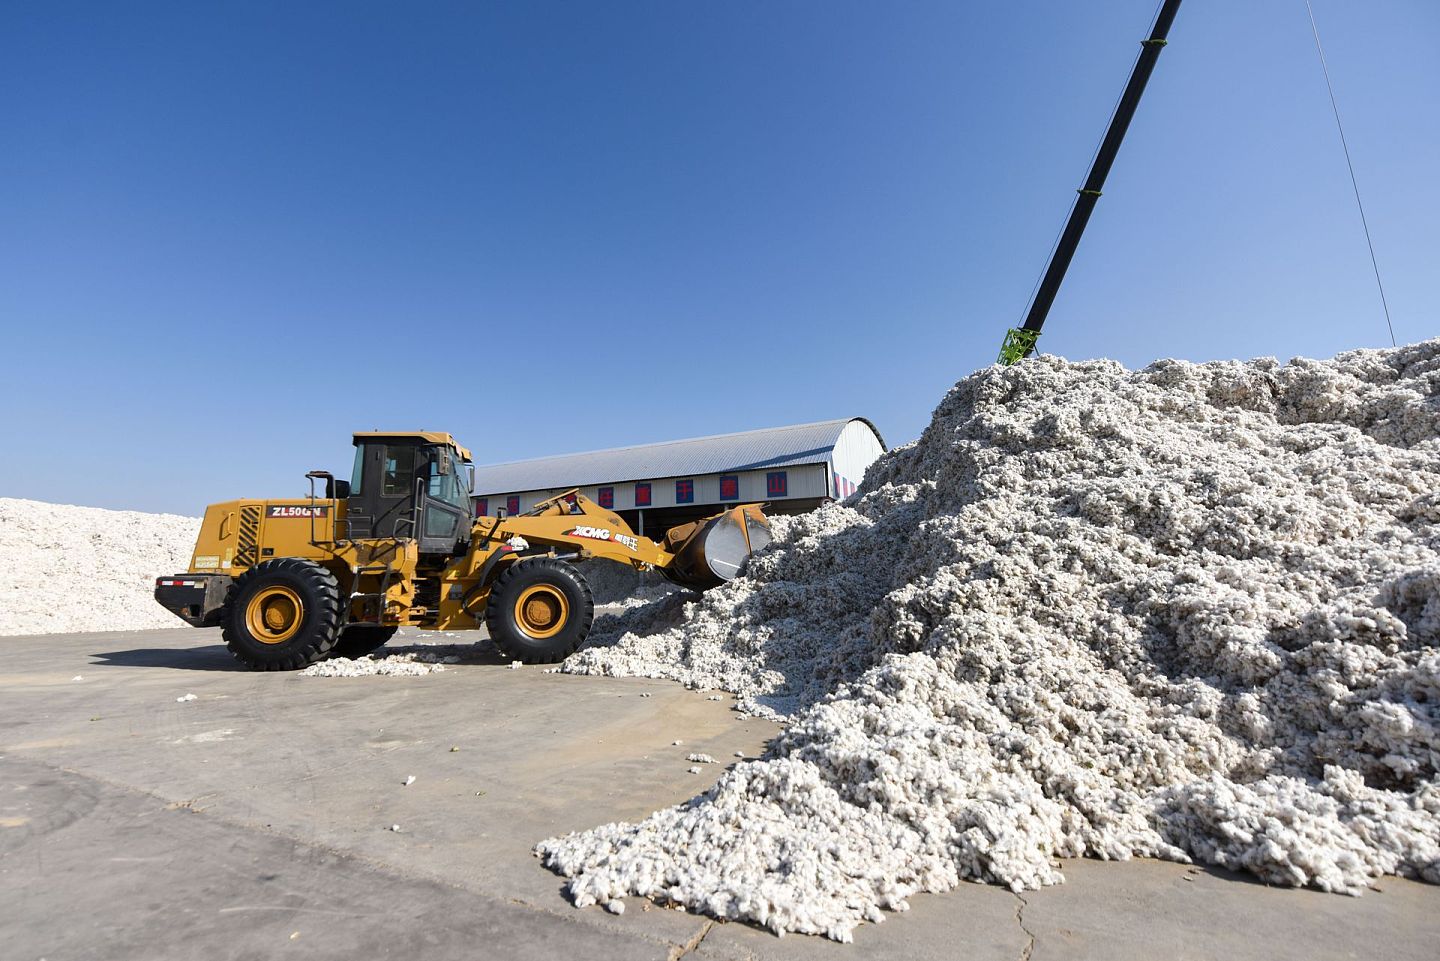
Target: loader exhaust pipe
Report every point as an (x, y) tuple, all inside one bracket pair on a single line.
[(710, 552)]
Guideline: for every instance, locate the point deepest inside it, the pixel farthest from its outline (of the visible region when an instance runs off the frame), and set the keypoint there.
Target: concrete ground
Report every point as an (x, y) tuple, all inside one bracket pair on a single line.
[(254, 822)]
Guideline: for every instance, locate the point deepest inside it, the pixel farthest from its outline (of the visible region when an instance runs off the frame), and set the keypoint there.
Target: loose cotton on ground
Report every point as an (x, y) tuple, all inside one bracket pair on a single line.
[(1185, 612)]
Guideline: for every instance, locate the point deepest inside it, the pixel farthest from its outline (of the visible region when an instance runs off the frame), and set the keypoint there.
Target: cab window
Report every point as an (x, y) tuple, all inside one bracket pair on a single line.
[(447, 488), (399, 476), (359, 472), (441, 523)]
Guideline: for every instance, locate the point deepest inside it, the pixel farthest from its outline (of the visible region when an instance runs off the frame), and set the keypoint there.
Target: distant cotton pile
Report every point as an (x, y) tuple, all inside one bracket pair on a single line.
[(1187, 612), (72, 569)]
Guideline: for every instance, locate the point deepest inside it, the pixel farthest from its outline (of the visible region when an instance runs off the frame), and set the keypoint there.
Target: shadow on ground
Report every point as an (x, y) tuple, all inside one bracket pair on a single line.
[(212, 657)]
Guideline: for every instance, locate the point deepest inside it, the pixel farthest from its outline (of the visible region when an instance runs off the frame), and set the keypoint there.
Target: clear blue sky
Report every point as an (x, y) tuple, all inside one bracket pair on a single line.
[(230, 234)]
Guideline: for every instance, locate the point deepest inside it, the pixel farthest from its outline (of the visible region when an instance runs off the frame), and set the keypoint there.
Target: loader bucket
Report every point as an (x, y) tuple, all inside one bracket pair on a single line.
[(709, 552)]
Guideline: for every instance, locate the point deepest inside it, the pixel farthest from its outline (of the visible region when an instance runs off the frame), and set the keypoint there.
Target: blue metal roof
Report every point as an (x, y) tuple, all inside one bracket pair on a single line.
[(747, 450)]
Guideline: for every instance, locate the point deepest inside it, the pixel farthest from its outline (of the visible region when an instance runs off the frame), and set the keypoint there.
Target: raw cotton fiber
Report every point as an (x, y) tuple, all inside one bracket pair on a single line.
[(1189, 612), (612, 583), (425, 656), (403, 664), (73, 569)]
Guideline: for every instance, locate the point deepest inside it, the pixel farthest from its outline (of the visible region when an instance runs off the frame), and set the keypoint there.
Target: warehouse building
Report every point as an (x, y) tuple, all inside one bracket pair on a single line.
[(656, 486)]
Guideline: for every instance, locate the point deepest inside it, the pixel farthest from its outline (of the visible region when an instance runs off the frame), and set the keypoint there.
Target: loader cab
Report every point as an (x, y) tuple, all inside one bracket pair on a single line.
[(411, 485)]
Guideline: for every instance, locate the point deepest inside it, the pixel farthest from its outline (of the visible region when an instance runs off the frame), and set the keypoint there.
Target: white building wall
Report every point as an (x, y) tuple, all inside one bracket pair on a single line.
[(857, 448)]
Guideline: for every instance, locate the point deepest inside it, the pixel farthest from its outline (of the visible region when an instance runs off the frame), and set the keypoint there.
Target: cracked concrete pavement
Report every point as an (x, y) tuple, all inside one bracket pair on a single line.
[(1029, 949), (256, 819)]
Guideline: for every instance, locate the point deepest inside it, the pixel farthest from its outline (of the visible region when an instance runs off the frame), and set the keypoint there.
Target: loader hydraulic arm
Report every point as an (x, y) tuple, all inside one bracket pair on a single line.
[(572, 524), (697, 555)]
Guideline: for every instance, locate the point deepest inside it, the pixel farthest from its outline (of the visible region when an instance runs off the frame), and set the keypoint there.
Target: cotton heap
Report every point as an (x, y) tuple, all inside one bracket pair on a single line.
[(72, 569), (1189, 612)]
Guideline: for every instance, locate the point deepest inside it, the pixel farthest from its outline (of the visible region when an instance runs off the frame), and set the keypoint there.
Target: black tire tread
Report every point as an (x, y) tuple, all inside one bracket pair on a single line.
[(324, 598), (520, 573)]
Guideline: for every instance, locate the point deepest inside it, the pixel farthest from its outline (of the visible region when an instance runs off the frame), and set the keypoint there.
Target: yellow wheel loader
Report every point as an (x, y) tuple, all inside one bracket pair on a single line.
[(291, 582)]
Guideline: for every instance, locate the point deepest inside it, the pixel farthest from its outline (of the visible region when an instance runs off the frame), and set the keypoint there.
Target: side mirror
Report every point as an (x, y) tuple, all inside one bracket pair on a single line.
[(442, 462), (342, 489), (470, 480)]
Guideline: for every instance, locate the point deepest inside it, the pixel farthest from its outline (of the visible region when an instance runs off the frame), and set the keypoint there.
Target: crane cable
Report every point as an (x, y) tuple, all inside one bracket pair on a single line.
[(1353, 183)]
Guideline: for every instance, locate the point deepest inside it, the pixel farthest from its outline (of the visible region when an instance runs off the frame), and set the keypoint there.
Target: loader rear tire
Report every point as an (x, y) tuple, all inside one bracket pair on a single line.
[(361, 639), (282, 615), (539, 611)]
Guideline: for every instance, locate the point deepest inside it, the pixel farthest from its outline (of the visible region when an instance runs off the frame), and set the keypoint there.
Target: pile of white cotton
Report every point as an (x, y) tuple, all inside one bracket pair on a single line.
[(70, 569), (1186, 612)]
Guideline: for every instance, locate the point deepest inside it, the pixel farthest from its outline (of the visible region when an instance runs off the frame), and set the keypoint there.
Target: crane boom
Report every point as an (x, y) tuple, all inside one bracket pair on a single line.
[(1020, 341)]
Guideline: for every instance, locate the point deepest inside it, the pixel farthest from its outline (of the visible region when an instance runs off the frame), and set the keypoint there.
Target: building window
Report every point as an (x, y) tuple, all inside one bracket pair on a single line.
[(685, 492), (776, 484), (642, 495), (482, 506), (606, 497), (729, 487), (512, 506)]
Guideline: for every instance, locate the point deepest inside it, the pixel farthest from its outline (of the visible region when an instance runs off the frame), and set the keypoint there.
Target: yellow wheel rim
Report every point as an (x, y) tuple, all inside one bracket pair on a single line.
[(542, 611), (274, 614)]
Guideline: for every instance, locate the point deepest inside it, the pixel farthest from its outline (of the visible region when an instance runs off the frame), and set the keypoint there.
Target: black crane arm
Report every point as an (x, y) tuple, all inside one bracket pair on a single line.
[(1020, 341)]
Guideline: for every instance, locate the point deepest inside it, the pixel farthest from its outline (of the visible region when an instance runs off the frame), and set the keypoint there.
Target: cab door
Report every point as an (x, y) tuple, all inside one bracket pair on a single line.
[(384, 490), (444, 502)]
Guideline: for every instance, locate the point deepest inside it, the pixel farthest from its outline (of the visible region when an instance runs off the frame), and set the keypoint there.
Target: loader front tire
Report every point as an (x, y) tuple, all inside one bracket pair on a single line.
[(361, 639), (282, 615), (539, 611)]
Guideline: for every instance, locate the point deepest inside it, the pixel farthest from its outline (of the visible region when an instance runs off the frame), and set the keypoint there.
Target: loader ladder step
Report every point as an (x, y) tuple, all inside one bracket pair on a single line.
[(379, 598)]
